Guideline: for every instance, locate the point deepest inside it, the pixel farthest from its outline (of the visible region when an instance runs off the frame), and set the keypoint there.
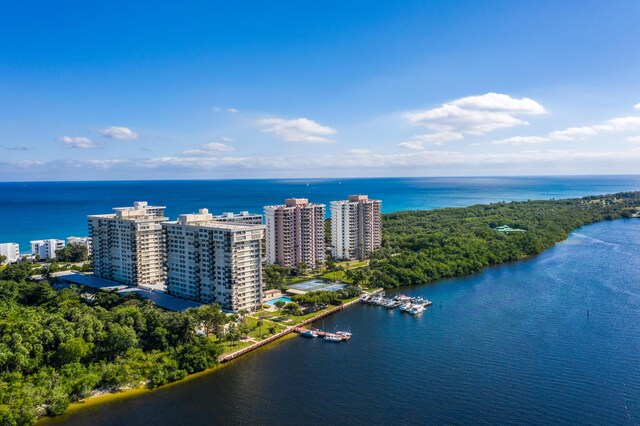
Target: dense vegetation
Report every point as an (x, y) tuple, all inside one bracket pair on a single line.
[(319, 299), (73, 253), (58, 346), (423, 246)]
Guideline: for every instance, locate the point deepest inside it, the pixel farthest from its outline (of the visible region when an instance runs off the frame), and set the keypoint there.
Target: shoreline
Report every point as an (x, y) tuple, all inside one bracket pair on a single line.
[(105, 397), (224, 360)]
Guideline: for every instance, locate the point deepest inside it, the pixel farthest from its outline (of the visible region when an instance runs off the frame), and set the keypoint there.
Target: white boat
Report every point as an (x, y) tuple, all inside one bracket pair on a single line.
[(344, 334), (416, 309), (427, 303), (308, 333), (406, 307), (333, 338)]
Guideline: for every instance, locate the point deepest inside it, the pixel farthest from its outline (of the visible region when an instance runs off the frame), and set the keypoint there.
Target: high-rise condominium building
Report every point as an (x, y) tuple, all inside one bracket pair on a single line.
[(215, 262), (46, 249), (128, 245), (82, 241), (295, 233), (355, 227), (11, 251)]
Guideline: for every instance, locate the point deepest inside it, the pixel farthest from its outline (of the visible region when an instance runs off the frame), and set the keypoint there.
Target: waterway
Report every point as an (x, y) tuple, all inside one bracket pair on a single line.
[(551, 340)]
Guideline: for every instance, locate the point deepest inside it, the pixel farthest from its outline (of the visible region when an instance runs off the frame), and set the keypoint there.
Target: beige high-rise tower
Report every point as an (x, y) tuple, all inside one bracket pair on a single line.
[(356, 227), (295, 233), (129, 245), (215, 262)]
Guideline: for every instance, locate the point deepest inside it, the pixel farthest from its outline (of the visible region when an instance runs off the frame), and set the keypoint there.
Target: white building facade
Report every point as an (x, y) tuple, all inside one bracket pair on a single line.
[(11, 251), (83, 241), (356, 227), (46, 249), (215, 262), (129, 244), (242, 217), (295, 233)]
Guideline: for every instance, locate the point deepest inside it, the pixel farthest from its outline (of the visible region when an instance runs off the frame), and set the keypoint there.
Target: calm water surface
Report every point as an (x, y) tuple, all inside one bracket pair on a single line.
[(511, 345), (37, 210)]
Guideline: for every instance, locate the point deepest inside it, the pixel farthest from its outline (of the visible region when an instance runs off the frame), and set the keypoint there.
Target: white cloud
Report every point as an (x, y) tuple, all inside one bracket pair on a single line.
[(119, 133), (572, 133), (358, 151), (411, 145), (477, 114), (298, 130), (637, 106), (634, 139), (216, 109), (436, 139), (232, 110), (521, 140), (78, 142), (500, 102), (623, 124), (618, 124), (213, 148)]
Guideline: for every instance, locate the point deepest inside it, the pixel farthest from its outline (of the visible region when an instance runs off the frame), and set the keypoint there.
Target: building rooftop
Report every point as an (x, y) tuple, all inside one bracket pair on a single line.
[(140, 209), (160, 298)]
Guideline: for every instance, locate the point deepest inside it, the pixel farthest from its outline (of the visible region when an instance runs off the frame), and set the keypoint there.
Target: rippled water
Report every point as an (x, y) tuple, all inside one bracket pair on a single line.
[(511, 345)]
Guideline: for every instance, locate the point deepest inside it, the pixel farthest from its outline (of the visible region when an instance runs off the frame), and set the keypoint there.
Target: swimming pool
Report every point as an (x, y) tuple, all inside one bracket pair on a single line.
[(273, 301)]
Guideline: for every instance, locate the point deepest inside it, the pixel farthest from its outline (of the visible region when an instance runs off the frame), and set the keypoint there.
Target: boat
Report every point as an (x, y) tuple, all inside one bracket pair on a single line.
[(308, 333), (344, 334), (333, 338), (416, 309), (406, 307), (427, 303)]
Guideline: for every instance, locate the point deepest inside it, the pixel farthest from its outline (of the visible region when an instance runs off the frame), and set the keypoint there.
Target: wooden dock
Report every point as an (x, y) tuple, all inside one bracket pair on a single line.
[(291, 329)]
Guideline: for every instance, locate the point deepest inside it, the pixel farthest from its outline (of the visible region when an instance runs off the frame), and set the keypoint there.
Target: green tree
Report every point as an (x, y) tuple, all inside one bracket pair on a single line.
[(72, 351), (292, 308), (279, 304), (73, 253)]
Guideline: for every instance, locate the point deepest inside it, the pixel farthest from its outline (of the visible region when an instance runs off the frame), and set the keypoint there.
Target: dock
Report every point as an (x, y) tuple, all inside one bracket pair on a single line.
[(291, 329)]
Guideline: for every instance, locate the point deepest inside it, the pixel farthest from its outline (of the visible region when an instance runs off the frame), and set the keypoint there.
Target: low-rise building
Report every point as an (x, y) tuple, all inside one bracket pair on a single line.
[(46, 249), (11, 251), (215, 262), (83, 241), (242, 217)]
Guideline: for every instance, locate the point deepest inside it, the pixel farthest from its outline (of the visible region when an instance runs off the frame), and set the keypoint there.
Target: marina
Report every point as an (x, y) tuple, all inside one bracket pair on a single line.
[(336, 336), (411, 305)]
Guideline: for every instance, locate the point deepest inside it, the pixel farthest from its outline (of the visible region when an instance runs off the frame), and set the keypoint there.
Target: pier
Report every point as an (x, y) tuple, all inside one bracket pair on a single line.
[(291, 329)]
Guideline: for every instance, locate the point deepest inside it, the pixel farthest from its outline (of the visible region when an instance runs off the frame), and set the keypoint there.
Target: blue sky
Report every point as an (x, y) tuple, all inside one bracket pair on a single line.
[(155, 90)]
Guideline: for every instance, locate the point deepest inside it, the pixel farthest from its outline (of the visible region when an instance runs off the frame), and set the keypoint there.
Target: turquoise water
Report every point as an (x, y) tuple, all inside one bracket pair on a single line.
[(283, 299), (510, 345), (36, 210)]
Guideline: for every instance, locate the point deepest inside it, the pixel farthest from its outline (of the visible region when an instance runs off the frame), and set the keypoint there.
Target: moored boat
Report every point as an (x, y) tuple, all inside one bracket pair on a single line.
[(308, 333), (333, 337), (416, 309)]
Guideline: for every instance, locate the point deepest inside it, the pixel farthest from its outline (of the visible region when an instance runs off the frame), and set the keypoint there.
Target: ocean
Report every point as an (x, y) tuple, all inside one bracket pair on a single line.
[(553, 340), (42, 210)]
